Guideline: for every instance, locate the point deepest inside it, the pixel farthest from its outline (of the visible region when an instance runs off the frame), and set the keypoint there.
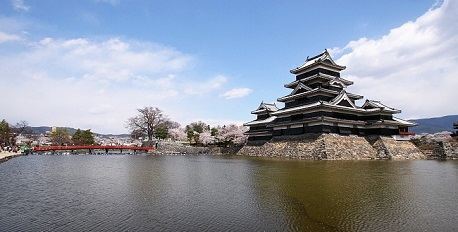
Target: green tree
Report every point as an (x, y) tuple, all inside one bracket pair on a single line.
[(83, 137), (194, 130), (189, 133), (76, 138), (5, 133), (162, 132), (214, 131), (60, 136)]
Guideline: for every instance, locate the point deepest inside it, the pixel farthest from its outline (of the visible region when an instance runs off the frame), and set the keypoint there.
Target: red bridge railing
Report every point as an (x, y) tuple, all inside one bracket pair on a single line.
[(91, 147)]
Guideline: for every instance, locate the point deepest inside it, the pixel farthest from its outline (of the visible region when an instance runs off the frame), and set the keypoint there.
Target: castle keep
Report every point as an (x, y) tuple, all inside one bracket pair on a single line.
[(320, 103)]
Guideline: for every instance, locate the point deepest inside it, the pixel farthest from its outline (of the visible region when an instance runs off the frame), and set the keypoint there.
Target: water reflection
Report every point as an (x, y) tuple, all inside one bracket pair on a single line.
[(147, 193), (358, 196)]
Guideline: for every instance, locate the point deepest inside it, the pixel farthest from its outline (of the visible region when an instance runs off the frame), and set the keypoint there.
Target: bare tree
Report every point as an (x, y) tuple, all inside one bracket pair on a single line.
[(147, 121), (136, 134), (22, 127)]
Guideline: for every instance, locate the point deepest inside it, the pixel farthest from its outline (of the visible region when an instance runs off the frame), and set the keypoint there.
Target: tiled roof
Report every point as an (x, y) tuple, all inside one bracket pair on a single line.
[(316, 59), (270, 107), (378, 104), (404, 122), (258, 122)]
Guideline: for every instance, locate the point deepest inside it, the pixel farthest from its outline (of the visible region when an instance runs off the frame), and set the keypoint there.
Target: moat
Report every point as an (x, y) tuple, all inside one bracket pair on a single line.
[(218, 193)]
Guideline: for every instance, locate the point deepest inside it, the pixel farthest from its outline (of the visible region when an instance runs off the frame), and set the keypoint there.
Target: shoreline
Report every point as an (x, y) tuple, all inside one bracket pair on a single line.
[(5, 156), (315, 147)]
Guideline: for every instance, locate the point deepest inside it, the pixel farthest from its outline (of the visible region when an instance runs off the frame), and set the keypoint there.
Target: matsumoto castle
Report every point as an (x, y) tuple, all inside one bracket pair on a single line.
[(319, 103)]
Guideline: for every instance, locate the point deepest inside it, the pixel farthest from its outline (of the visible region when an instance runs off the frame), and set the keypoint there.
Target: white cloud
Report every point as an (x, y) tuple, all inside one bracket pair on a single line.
[(206, 86), (5, 37), (95, 84), (19, 5), (237, 93), (414, 67)]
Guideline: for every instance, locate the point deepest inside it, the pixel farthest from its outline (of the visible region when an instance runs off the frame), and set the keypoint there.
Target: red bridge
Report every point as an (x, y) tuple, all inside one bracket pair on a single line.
[(90, 148)]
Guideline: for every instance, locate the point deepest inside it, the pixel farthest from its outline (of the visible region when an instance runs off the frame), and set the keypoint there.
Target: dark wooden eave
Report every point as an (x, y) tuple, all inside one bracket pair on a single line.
[(319, 75)]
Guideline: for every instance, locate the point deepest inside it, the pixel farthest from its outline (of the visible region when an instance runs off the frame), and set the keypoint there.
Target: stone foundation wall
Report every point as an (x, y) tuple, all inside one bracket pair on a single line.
[(438, 147), (450, 148), (334, 147), (175, 148), (328, 147), (389, 148), (180, 149), (347, 147), (287, 147)]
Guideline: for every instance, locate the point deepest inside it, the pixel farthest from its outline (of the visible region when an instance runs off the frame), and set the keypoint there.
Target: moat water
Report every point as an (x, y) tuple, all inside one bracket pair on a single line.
[(214, 193)]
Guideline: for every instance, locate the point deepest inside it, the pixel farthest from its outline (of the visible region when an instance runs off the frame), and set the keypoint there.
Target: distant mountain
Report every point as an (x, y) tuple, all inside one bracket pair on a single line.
[(39, 129), (44, 129), (434, 125), (71, 131)]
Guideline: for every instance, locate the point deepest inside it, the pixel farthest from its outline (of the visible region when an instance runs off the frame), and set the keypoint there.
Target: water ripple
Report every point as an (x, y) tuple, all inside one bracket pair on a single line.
[(198, 193)]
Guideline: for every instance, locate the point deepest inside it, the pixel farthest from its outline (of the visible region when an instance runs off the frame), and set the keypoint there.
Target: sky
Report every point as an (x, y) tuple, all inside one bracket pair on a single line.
[(92, 63)]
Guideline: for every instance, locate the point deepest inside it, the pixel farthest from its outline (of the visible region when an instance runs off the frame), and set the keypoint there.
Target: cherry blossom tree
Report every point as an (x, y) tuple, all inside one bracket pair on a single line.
[(206, 138), (232, 134), (200, 132), (178, 134)]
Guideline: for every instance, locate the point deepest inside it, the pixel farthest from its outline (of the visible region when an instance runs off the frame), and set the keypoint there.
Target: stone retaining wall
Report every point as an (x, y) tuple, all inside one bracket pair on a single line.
[(328, 147), (177, 148), (334, 147), (347, 147), (389, 148), (450, 148), (172, 148), (441, 147), (287, 147)]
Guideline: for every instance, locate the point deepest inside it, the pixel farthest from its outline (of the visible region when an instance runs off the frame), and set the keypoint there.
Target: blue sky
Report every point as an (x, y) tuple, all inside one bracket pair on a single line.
[(90, 64)]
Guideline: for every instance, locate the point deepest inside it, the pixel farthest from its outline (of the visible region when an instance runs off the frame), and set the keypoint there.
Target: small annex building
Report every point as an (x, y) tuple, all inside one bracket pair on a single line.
[(319, 103)]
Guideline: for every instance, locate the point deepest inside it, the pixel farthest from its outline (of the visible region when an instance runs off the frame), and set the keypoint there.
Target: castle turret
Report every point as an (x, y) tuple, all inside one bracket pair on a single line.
[(258, 127)]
